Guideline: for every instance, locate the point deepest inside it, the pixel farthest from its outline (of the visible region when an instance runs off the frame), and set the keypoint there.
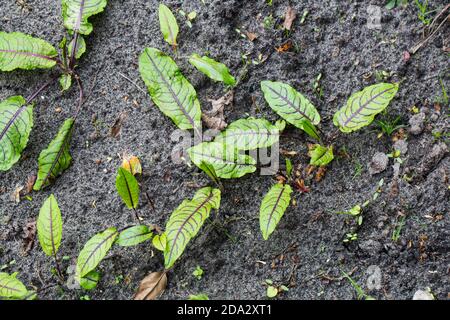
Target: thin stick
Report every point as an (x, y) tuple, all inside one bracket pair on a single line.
[(38, 91), (132, 82)]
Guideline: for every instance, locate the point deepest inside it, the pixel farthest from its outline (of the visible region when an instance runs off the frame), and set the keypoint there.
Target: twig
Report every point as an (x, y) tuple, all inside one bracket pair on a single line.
[(132, 82)]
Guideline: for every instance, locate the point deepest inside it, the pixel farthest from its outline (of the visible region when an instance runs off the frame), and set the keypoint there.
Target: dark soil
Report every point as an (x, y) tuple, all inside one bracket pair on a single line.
[(306, 252)]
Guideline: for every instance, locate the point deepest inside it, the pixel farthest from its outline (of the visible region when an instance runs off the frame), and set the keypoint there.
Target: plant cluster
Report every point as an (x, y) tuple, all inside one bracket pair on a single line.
[(225, 157)]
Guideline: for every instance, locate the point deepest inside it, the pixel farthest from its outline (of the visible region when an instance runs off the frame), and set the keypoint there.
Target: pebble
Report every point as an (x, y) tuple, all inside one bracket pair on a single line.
[(422, 295), (379, 163), (402, 146), (416, 123)]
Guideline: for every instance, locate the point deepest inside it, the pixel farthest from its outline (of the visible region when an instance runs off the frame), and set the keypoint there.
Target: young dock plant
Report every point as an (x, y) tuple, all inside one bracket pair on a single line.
[(12, 288), (359, 111), (214, 70), (168, 24), (21, 51), (50, 229)]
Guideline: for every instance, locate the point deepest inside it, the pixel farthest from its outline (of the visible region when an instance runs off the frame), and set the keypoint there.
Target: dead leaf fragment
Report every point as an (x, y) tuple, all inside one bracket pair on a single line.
[(251, 36), (214, 119), (117, 126), (15, 196), (284, 47), (131, 164), (152, 286), (291, 14), (29, 234)]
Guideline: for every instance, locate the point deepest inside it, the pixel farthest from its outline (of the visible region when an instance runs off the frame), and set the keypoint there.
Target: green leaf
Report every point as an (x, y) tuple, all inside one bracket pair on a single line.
[(76, 13), (160, 242), (134, 235), (291, 106), (65, 81), (56, 158), (94, 251), (227, 163), (21, 51), (90, 281), (273, 206), (168, 24), (169, 89), (210, 171), (250, 134), (16, 121), (289, 167), (320, 156), (81, 47), (128, 188), (201, 296), (186, 221), (272, 292), (11, 287), (214, 70), (49, 226), (363, 106)]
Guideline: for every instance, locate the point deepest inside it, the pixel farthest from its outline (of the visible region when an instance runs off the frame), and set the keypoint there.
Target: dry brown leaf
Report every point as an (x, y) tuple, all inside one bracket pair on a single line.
[(284, 47), (15, 196), (291, 14), (152, 286), (320, 173), (214, 119), (117, 126), (29, 234), (131, 164), (29, 185), (251, 36)]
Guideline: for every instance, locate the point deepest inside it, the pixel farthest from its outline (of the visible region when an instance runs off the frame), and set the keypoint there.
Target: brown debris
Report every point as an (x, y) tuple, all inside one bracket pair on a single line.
[(291, 14)]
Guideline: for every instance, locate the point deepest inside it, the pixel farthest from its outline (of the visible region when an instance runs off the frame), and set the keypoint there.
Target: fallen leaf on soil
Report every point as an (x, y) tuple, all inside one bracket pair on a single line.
[(251, 36), (214, 118), (291, 14), (288, 153), (29, 234), (284, 47), (117, 127), (29, 185), (152, 286), (15, 196), (320, 174)]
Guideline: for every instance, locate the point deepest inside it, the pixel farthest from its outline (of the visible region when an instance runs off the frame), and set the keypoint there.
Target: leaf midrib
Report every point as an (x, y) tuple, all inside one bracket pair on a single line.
[(361, 108), (175, 97), (95, 250), (185, 221), (11, 121), (285, 99), (274, 208)]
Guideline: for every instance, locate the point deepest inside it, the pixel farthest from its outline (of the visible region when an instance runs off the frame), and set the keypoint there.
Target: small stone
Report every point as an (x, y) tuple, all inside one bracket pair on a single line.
[(422, 295), (416, 123), (379, 163), (370, 246), (402, 146)]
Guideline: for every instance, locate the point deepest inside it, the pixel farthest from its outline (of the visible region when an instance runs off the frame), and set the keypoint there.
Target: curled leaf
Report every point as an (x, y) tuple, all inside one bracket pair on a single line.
[(76, 13), (132, 164), (90, 281), (56, 158), (214, 70), (160, 241), (152, 286), (16, 121), (320, 155), (214, 119), (362, 107)]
